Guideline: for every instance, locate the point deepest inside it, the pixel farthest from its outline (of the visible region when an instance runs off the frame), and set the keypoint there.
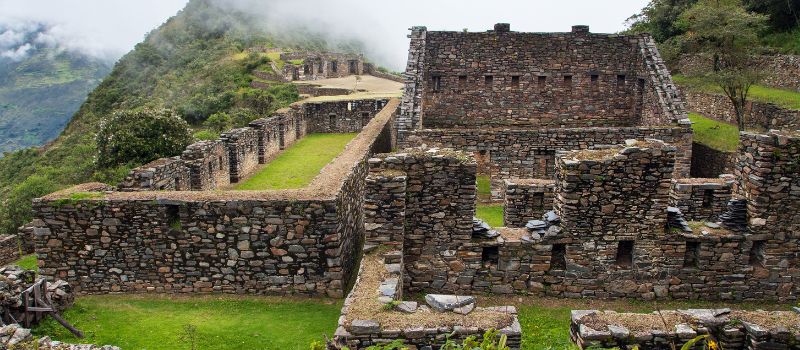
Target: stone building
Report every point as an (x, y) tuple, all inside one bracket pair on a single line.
[(515, 99), (320, 65)]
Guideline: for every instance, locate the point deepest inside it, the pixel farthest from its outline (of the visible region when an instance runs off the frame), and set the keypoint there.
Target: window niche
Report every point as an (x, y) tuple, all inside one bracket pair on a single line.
[(462, 81), (541, 81), (490, 255), (691, 258), (515, 80), (708, 198), (757, 257), (625, 254), (436, 83), (488, 80), (173, 216), (620, 81), (558, 257)]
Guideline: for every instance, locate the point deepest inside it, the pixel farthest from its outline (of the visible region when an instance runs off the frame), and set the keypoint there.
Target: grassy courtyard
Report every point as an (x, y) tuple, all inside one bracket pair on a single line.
[(156, 322), (296, 166), (715, 134)]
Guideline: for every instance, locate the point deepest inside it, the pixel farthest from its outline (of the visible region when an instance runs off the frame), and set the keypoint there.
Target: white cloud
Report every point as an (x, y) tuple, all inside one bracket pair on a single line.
[(102, 28), (18, 53)]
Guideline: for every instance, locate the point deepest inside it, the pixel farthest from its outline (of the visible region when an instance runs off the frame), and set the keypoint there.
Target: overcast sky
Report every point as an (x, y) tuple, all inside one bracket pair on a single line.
[(109, 28)]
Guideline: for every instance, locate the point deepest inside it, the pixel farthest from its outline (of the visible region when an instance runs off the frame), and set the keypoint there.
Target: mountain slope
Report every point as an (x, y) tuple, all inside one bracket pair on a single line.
[(193, 64), (40, 93)]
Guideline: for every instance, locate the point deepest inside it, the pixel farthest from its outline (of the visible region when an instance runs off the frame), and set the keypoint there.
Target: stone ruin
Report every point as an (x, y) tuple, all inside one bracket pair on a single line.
[(586, 142)]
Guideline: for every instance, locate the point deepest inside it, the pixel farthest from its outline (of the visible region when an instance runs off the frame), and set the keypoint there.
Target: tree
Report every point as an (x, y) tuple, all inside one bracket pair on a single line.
[(16, 209), (141, 135), (658, 18), (725, 32), (784, 15), (218, 122)]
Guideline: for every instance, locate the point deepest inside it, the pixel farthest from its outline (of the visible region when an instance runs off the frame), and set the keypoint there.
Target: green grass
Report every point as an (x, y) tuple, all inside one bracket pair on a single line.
[(28, 262), (298, 164), (276, 57), (152, 323), (491, 213), (715, 134), (784, 98), (484, 185)]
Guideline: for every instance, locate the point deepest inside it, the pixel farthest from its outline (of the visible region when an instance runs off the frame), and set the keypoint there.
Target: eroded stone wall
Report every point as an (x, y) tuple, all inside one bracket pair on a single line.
[(209, 165), (781, 71), (702, 199), (526, 199), (759, 115), (344, 116), (320, 65), (530, 153), (243, 152), (269, 143), (170, 174)]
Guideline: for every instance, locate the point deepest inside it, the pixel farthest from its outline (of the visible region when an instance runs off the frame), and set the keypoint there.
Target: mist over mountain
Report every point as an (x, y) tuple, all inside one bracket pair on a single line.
[(42, 83)]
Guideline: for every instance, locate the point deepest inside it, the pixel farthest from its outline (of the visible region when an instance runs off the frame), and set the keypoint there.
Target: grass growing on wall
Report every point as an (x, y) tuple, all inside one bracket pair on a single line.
[(785, 98), (28, 262), (156, 322), (491, 213), (300, 163), (715, 134)]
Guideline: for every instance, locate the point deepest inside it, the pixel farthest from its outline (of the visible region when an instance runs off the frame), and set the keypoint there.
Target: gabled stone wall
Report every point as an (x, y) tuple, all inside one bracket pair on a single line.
[(209, 165), (243, 152), (170, 174), (269, 143)]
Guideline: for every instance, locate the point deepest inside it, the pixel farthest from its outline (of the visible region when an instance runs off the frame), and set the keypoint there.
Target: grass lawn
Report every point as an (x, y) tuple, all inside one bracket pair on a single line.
[(28, 262), (491, 213), (714, 134), (160, 322), (298, 164), (785, 98)]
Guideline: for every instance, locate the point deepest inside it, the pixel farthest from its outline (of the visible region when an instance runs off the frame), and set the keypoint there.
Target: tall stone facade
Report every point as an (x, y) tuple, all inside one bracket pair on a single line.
[(320, 65), (209, 165), (518, 98), (341, 116)]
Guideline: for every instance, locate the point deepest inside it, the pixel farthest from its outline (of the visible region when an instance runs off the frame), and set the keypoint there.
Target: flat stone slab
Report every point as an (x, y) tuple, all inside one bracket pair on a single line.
[(365, 327), (443, 302), (408, 307), (465, 310)]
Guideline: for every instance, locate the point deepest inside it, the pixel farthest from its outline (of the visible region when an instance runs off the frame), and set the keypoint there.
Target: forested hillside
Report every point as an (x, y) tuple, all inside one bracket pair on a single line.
[(662, 18), (40, 92), (195, 65)]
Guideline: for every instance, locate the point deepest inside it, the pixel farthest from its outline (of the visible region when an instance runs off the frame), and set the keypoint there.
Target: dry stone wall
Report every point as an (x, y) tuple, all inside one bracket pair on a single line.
[(344, 116), (269, 143), (530, 153), (782, 71), (209, 165), (320, 65), (170, 174), (708, 162), (526, 200), (243, 152), (608, 235), (257, 242), (702, 199), (752, 330), (759, 115)]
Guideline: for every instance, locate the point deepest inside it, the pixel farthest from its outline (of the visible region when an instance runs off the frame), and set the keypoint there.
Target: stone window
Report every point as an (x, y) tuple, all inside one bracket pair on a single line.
[(210, 167), (219, 159), (708, 198), (541, 81), (172, 212), (320, 67), (625, 254), (537, 200), (490, 255), (462, 80), (757, 254), (558, 257), (334, 66), (691, 258), (641, 84), (306, 69), (365, 118), (349, 106), (178, 185), (436, 82), (620, 81), (595, 78), (332, 121), (488, 80), (568, 83), (515, 80)]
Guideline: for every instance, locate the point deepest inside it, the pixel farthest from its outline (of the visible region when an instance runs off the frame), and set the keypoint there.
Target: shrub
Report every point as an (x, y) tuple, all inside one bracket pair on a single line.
[(140, 136), (16, 210), (206, 135), (218, 122)]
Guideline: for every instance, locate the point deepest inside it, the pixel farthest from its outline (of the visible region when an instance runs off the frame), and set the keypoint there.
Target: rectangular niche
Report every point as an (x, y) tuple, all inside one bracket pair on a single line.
[(558, 257), (490, 255), (757, 258), (691, 258), (625, 254)]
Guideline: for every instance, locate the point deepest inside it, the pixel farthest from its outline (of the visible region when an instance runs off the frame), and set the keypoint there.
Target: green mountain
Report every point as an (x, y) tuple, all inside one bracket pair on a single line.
[(197, 64), (38, 95)]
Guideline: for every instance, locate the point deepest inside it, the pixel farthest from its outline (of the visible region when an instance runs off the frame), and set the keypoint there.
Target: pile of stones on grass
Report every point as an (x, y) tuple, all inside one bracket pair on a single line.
[(14, 282), (729, 329)]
